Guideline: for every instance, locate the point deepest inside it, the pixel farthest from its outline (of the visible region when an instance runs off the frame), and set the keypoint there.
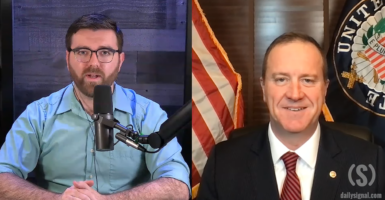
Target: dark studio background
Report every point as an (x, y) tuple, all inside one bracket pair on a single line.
[(156, 44)]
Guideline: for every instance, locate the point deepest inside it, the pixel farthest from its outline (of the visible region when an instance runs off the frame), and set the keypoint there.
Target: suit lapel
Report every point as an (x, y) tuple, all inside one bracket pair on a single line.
[(262, 169), (327, 163)]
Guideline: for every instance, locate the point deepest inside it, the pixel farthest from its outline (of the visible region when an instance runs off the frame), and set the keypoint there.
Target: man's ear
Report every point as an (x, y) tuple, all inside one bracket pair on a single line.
[(67, 59), (262, 83), (122, 56), (326, 86)]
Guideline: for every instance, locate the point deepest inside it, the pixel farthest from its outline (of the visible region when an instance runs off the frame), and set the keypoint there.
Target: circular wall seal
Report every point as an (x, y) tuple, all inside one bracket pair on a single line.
[(359, 56)]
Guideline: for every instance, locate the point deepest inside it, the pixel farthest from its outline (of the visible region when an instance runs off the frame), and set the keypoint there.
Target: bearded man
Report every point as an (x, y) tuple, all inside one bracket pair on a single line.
[(55, 136)]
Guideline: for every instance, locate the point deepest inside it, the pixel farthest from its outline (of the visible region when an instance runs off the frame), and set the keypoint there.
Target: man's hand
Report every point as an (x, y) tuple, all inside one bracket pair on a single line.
[(89, 183), (82, 190)]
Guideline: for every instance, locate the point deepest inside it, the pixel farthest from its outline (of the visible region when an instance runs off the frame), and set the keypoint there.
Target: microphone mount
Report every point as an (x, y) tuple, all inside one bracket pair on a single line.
[(126, 135)]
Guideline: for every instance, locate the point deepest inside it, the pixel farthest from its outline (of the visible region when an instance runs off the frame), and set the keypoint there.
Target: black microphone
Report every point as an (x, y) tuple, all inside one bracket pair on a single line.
[(103, 107), (171, 127)]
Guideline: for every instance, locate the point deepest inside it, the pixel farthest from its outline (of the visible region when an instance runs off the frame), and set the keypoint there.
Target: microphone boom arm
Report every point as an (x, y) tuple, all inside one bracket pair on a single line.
[(157, 140)]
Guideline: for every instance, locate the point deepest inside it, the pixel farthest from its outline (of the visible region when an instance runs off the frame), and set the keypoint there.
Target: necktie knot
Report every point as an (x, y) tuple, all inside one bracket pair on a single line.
[(290, 160)]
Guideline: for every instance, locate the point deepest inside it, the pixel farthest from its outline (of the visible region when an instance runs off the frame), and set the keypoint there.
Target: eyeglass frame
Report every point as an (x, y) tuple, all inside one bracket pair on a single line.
[(92, 51)]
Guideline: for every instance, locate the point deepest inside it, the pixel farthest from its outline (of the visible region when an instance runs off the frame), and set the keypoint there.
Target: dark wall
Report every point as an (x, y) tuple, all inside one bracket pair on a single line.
[(154, 34)]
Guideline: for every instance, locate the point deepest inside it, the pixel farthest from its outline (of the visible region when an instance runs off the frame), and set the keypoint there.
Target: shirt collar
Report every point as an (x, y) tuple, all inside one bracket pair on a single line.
[(307, 152), (68, 100), (120, 100)]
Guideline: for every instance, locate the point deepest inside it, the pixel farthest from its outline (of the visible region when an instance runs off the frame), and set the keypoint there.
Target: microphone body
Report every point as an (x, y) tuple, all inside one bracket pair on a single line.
[(104, 135)]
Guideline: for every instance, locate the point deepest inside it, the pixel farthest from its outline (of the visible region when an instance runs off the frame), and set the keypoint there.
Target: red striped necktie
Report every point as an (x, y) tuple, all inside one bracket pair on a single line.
[(291, 188)]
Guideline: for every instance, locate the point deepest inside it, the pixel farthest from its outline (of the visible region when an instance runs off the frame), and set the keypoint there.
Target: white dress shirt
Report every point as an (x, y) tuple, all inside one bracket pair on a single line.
[(305, 164)]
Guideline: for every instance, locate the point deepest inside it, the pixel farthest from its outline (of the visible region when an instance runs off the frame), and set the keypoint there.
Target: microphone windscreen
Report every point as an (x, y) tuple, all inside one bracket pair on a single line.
[(154, 140), (103, 99)]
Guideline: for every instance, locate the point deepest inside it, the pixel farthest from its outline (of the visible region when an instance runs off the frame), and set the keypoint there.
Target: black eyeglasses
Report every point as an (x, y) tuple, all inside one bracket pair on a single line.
[(104, 55)]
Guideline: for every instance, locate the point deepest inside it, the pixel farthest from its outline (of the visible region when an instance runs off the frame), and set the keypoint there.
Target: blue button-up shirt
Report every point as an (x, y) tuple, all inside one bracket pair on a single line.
[(54, 137)]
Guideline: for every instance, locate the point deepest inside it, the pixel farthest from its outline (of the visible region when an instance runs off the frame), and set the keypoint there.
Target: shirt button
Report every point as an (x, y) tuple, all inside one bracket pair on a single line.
[(90, 176), (92, 150)]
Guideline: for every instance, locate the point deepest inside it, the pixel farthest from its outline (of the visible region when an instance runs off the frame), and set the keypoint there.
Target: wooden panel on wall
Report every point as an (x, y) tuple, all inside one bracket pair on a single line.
[(38, 39), (335, 9), (137, 14), (271, 19), (153, 31), (230, 21), (160, 67)]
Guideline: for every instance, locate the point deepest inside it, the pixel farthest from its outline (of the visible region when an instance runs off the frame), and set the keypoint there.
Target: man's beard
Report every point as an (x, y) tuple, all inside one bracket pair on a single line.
[(86, 87)]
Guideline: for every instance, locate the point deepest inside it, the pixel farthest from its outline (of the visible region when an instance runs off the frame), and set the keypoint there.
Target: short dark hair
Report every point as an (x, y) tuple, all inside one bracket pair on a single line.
[(291, 37), (94, 21)]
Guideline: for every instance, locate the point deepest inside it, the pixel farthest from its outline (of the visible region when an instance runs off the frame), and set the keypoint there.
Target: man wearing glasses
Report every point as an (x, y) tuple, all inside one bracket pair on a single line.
[(54, 136)]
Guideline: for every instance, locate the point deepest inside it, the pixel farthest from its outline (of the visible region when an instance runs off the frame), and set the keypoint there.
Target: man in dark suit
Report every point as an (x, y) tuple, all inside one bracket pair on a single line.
[(294, 157)]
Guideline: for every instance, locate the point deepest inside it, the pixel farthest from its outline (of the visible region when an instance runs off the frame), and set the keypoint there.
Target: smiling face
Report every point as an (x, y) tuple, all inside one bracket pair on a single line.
[(86, 75), (294, 87)]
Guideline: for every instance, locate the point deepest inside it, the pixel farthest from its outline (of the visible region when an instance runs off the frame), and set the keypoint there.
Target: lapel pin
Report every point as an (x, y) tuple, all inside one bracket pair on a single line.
[(333, 174)]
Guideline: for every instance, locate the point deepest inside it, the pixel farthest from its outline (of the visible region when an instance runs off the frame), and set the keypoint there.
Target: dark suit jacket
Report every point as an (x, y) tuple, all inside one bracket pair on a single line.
[(243, 169)]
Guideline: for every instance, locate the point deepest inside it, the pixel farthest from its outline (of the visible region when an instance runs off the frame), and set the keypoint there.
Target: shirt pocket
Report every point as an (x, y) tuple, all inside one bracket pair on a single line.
[(127, 167)]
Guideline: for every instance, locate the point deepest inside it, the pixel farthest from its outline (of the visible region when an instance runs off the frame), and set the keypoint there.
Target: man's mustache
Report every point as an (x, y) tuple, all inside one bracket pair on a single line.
[(96, 71)]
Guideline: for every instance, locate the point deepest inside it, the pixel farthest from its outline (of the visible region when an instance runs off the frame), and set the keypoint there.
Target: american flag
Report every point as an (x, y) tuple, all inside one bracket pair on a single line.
[(217, 101)]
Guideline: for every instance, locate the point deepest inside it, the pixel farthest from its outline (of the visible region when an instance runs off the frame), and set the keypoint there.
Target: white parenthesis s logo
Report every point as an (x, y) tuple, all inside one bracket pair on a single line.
[(359, 170), (350, 175)]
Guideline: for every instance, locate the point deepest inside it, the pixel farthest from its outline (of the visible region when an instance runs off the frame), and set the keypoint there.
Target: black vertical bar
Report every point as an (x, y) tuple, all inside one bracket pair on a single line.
[(187, 151), (188, 72), (7, 106)]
